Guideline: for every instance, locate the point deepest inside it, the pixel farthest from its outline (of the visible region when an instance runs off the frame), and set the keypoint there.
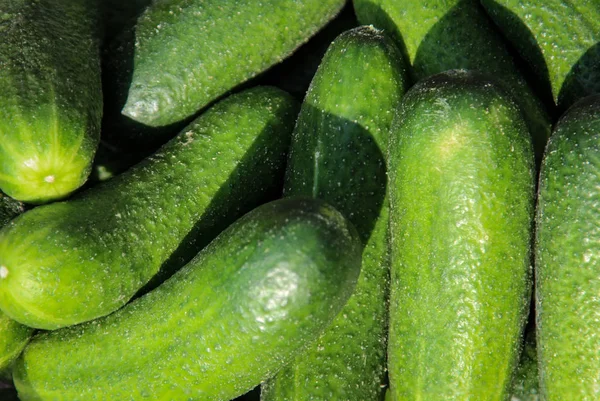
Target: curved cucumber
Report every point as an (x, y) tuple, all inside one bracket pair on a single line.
[(568, 258), (189, 53), (51, 97), (76, 260), (560, 39), (337, 155), (441, 35), (461, 198), (238, 312)]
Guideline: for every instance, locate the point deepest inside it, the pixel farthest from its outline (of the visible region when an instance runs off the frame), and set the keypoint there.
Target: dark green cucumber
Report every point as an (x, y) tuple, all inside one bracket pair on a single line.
[(9, 209), (568, 257), (51, 97), (76, 260), (560, 39), (461, 198), (439, 35), (188, 53), (238, 312), (338, 155)]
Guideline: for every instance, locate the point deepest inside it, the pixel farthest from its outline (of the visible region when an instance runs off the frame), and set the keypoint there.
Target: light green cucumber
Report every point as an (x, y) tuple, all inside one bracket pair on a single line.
[(338, 155), (184, 54), (560, 39), (568, 258), (257, 295), (76, 260), (461, 198), (51, 97), (439, 35)]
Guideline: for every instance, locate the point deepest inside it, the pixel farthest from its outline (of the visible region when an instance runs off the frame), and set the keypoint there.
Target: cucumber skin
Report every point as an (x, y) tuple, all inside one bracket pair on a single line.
[(340, 121), (9, 209), (51, 98), (184, 50), (526, 385), (567, 262), (74, 261), (252, 299), (564, 33), (461, 197), (440, 35)]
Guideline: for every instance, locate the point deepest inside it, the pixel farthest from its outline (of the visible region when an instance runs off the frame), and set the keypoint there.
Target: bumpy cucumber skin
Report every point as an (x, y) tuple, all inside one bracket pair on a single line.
[(558, 38), (237, 313), (526, 385), (567, 257), (440, 35), (337, 155), (76, 260), (51, 97), (13, 338), (188, 53), (461, 197), (9, 209)]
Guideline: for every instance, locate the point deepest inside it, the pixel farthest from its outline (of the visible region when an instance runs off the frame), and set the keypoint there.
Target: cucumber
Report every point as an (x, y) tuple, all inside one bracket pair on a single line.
[(337, 155), (560, 40), (188, 53), (9, 209), (567, 258), (51, 98), (13, 338), (238, 312), (76, 260), (461, 198), (439, 35)]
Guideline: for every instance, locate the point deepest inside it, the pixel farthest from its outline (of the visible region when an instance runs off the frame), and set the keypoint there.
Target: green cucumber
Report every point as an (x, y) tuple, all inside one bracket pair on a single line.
[(188, 53), (76, 260), (461, 198), (440, 35), (9, 209), (560, 39), (13, 338), (567, 257), (51, 97), (238, 312), (337, 155)]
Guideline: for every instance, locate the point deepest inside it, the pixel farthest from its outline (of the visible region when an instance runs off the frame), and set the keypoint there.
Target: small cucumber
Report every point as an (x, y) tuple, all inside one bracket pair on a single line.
[(439, 35), (188, 53), (337, 155), (560, 39), (461, 197), (568, 257), (76, 260), (51, 97), (238, 312)]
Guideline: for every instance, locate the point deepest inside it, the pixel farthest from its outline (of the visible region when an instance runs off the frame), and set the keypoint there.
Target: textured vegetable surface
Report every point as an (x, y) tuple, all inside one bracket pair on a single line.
[(238, 312), (439, 35), (73, 261), (184, 54), (559, 38), (567, 257), (51, 98), (337, 154), (461, 196)]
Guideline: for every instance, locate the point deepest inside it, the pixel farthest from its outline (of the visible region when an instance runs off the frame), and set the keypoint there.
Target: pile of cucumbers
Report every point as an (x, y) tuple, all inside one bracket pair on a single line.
[(287, 200)]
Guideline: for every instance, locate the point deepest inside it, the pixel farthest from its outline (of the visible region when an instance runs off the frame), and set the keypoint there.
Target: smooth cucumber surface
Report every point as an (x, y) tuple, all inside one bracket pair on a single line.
[(461, 197), (440, 35), (76, 260), (559, 38), (51, 97), (185, 54), (338, 155), (567, 257), (238, 312)]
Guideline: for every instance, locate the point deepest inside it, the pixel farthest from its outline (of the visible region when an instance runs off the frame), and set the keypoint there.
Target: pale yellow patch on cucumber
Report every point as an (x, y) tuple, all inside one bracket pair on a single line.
[(3, 272)]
